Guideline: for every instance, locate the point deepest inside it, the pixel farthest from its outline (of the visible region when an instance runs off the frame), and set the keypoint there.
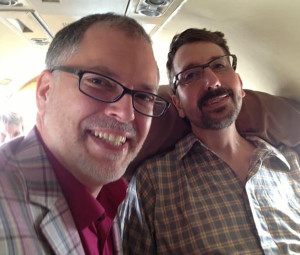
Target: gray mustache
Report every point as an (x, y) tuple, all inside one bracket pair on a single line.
[(109, 123)]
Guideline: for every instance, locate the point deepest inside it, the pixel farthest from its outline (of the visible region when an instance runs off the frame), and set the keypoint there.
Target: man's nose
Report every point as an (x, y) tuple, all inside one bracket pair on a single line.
[(122, 110), (210, 79)]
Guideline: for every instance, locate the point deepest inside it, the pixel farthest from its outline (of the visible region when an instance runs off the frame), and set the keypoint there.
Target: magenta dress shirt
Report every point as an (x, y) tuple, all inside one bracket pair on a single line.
[(93, 217)]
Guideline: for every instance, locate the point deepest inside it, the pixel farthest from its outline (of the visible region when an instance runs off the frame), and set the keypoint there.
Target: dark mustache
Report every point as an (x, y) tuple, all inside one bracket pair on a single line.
[(214, 93)]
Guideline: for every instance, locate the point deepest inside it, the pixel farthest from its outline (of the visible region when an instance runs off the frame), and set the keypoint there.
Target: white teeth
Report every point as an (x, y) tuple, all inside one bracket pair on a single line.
[(216, 99), (116, 140)]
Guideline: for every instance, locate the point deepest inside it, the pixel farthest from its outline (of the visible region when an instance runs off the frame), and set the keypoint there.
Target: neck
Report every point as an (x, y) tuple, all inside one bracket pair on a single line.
[(231, 147), (226, 140)]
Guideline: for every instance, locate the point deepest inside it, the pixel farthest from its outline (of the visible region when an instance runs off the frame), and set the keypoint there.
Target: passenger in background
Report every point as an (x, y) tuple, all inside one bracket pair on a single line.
[(216, 192), (11, 125), (60, 186)]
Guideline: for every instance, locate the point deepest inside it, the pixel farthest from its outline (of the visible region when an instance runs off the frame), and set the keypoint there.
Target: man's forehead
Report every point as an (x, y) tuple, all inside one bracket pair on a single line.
[(201, 48), (103, 30), (196, 52)]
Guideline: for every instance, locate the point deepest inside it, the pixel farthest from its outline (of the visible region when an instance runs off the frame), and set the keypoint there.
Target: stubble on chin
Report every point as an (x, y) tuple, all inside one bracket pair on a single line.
[(99, 173), (211, 120), (110, 167)]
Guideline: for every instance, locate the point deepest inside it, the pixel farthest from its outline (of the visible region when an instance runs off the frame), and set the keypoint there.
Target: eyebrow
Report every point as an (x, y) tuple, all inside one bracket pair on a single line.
[(108, 72), (148, 88), (194, 64), (103, 70)]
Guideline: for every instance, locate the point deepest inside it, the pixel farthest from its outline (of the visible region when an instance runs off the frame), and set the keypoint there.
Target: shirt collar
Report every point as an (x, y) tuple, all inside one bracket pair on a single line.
[(267, 149), (186, 144)]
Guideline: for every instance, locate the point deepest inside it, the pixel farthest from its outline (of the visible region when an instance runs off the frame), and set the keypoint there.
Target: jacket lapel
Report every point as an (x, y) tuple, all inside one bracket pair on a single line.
[(57, 225), (60, 231)]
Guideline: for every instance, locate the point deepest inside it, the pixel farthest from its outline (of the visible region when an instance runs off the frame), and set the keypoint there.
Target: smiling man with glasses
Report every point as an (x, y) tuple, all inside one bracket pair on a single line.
[(60, 186), (216, 192)]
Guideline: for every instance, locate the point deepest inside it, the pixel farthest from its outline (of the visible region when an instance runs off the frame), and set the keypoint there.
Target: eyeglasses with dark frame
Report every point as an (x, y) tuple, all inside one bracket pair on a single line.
[(217, 65), (105, 89)]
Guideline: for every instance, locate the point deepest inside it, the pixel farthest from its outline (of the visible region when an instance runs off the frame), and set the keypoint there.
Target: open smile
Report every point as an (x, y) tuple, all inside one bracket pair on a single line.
[(116, 140), (215, 100)]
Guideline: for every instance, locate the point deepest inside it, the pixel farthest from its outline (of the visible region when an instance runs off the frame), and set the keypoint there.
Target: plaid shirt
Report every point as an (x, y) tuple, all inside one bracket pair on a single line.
[(189, 201)]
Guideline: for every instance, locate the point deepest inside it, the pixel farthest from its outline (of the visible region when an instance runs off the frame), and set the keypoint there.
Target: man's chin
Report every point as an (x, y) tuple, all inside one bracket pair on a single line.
[(217, 123), (107, 174)]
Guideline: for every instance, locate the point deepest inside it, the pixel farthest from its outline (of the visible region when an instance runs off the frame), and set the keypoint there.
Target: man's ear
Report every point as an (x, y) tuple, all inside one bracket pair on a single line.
[(44, 83), (241, 84), (177, 103)]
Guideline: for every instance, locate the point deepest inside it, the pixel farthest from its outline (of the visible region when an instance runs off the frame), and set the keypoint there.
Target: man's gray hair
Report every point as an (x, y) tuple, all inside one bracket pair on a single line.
[(66, 41), (10, 117)]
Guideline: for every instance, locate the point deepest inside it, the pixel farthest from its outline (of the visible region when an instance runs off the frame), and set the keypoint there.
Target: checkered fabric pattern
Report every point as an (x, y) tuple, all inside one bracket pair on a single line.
[(189, 201), (34, 216)]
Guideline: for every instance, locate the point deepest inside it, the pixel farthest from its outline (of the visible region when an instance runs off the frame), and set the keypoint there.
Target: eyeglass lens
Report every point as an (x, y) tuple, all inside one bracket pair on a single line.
[(104, 89), (218, 65)]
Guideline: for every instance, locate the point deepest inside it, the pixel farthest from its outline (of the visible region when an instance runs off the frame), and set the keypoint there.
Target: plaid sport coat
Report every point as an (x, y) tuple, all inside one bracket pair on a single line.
[(34, 216)]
